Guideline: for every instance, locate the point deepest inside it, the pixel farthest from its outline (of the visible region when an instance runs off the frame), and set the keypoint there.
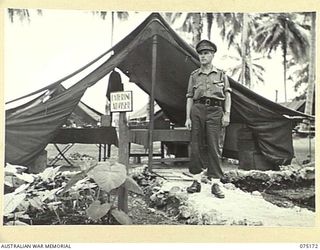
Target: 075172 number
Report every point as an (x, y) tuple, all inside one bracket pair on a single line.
[(309, 246)]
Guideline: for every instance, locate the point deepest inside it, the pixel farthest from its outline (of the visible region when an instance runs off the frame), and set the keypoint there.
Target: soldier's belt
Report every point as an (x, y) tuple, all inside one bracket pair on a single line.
[(209, 101)]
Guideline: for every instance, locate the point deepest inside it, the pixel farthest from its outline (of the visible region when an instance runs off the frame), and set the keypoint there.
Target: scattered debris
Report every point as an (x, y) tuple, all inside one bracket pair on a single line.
[(292, 185), (246, 203)]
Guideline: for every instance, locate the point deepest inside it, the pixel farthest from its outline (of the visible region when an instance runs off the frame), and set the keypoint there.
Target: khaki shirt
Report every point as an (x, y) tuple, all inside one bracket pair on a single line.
[(213, 85)]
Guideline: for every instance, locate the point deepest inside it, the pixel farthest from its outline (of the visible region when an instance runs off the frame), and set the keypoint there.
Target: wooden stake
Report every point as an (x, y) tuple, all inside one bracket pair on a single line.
[(123, 140), (123, 159)]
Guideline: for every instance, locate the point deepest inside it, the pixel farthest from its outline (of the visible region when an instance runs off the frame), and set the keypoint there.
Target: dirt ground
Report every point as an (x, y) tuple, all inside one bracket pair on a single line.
[(264, 211)]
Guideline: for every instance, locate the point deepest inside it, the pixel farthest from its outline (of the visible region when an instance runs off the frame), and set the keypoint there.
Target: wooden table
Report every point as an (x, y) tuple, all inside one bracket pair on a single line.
[(140, 136), (103, 136)]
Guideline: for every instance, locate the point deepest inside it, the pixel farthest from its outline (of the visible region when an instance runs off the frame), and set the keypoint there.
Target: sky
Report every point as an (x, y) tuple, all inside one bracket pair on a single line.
[(58, 42)]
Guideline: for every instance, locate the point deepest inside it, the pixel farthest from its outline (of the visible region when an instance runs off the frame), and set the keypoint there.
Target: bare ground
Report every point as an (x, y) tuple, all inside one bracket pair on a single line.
[(267, 209)]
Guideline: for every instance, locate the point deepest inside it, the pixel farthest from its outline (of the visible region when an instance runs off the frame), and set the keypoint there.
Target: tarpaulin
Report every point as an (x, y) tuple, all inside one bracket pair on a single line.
[(29, 131)]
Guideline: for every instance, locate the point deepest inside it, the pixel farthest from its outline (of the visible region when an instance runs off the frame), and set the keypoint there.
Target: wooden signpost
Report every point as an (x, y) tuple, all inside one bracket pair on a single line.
[(121, 102)]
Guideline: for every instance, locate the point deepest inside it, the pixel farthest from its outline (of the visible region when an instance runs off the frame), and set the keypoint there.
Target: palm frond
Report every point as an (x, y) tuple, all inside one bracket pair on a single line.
[(260, 67), (172, 17), (22, 14), (238, 49), (258, 58), (277, 37), (298, 41), (122, 15), (230, 38), (209, 17), (235, 70), (231, 57)]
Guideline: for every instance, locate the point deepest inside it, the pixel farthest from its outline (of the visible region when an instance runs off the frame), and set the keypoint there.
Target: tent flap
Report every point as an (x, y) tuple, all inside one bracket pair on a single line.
[(37, 124), (28, 133)]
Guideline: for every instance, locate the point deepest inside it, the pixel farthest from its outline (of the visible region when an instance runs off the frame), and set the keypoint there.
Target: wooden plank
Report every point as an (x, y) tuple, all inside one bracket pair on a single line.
[(158, 166), (179, 179), (165, 160), (177, 174), (169, 175), (167, 135), (103, 135), (139, 136), (143, 154)]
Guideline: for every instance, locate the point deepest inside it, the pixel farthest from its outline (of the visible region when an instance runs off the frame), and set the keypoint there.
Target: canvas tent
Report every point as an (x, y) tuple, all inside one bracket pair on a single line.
[(36, 122), (84, 116), (142, 113), (299, 105)]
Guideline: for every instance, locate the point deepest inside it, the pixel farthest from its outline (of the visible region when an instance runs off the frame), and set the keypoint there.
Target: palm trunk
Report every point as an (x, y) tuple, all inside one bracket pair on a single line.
[(209, 22), (285, 74), (311, 84), (112, 26), (285, 62), (244, 41), (196, 28), (311, 81), (250, 66)]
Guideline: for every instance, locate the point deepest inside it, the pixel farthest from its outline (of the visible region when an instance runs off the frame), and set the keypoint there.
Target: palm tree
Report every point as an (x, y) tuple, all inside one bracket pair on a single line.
[(209, 18), (235, 26), (232, 25), (311, 80), (252, 71), (299, 75), (284, 31), (121, 15), (22, 14), (191, 23)]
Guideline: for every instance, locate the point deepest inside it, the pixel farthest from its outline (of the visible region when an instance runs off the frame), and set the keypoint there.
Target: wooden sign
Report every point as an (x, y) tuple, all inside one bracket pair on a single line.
[(121, 101)]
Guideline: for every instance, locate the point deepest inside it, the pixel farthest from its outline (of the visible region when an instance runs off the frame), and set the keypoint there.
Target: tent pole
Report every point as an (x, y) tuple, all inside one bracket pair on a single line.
[(309, 137), (153, 82)]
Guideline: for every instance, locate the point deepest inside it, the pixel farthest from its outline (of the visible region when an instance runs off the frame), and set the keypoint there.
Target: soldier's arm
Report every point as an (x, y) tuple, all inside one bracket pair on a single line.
[(227, 103), (189, 103), (188, 107), (227, 92)]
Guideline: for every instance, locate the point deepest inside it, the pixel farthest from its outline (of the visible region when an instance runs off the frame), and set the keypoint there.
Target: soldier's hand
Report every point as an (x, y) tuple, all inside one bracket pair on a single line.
[(188, 123), (225, 119)]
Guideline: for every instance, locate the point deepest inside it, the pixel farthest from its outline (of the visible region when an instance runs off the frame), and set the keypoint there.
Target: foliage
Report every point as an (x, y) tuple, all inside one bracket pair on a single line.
[(264, 33), (63, 197), (298, 74), (253, 69), (231, 26), (108, 177), (188, 23), (121, 15), (22, 14), (283, 29)]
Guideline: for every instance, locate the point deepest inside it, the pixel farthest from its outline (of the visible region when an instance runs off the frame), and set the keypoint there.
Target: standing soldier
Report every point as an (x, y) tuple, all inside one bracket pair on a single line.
[(208, 111)]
